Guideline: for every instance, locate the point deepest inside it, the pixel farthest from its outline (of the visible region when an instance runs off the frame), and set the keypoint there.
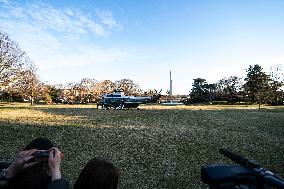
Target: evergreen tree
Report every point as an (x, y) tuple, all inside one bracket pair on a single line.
[(257, 85), (201, 91)]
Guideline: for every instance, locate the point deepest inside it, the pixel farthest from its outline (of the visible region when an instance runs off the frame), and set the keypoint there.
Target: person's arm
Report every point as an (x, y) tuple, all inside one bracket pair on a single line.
[(54, 162), (20, 163)]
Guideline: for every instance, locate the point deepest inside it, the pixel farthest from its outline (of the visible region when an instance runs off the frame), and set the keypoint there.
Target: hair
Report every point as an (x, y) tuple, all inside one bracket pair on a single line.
[(98, 174), (40, 144), (36, 176)]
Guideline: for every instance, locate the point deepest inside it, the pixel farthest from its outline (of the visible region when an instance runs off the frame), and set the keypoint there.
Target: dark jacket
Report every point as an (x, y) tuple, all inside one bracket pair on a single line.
[(56, 184), (59, 184)]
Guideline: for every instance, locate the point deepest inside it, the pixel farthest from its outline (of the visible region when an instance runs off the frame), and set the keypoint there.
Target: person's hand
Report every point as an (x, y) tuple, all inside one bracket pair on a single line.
[(20, 163), (54, 162)]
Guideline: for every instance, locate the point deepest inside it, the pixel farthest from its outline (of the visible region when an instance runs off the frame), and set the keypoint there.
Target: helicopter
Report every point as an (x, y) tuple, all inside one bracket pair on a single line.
[(118, 100)]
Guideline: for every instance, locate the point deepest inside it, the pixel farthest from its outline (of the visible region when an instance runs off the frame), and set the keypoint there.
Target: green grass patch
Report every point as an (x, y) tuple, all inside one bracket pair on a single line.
[(152, 147)]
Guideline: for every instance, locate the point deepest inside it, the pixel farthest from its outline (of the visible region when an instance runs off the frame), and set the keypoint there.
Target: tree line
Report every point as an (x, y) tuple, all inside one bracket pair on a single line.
[(257, 87), (19, 81)]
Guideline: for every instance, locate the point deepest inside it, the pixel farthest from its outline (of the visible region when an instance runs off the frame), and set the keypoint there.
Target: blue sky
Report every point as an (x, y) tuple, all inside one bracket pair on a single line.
[(143, 40)]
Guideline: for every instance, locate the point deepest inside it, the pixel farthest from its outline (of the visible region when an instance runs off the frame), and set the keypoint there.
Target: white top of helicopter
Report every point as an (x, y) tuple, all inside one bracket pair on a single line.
[(117, 94), (120, 94)]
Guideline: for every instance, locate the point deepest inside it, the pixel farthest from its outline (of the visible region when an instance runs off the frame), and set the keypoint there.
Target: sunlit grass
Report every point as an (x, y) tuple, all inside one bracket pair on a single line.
[(154, 147)]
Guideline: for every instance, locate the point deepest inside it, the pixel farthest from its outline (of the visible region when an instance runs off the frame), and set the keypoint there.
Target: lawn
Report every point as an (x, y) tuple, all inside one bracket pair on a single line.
[(154, 147)]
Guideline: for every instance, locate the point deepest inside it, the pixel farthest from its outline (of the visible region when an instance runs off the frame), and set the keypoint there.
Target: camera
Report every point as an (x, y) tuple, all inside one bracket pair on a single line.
[(247, 174), (226, 176), (41, 155)]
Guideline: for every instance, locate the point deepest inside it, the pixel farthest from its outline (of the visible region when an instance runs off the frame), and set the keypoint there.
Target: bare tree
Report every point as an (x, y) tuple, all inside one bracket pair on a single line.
[(276, 85), (86, 89), (50, 93), (28, 85), (276, 73), (229, 88), (70, 92), (128, 87), (81, 92), (103, 87), (12, 60)]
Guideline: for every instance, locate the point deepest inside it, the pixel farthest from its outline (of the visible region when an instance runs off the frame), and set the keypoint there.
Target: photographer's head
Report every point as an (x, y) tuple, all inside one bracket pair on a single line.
[(39, 144), (98, 174), (29, 174)]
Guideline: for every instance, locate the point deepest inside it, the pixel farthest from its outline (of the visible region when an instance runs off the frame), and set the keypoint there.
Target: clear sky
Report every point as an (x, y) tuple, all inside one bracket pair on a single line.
[(144, 39)]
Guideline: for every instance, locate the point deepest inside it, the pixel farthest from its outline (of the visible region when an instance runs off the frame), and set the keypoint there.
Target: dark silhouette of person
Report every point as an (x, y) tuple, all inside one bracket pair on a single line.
[(27, 172), (98, 174)]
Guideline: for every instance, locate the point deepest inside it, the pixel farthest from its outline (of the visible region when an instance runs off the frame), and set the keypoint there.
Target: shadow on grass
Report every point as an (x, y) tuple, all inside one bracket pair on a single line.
[(143, 163), (269, 121), (153, 148)]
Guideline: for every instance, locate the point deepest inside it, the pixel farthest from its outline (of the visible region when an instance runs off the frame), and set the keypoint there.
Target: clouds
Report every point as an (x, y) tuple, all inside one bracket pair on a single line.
[(4, 1), (42, 25), (69, 20), (108, 20), (61, 37)]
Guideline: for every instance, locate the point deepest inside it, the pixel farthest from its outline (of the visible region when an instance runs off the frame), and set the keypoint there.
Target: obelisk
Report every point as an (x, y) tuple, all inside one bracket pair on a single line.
[(171, 84)]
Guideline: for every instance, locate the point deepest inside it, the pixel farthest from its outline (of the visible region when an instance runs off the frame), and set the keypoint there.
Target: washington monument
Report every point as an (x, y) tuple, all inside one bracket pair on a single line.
[(171, 85)]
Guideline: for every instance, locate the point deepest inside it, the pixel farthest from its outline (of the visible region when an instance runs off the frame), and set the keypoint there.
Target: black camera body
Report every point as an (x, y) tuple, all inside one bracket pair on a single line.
[(246, 174), (226, 176), (41, 155)]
